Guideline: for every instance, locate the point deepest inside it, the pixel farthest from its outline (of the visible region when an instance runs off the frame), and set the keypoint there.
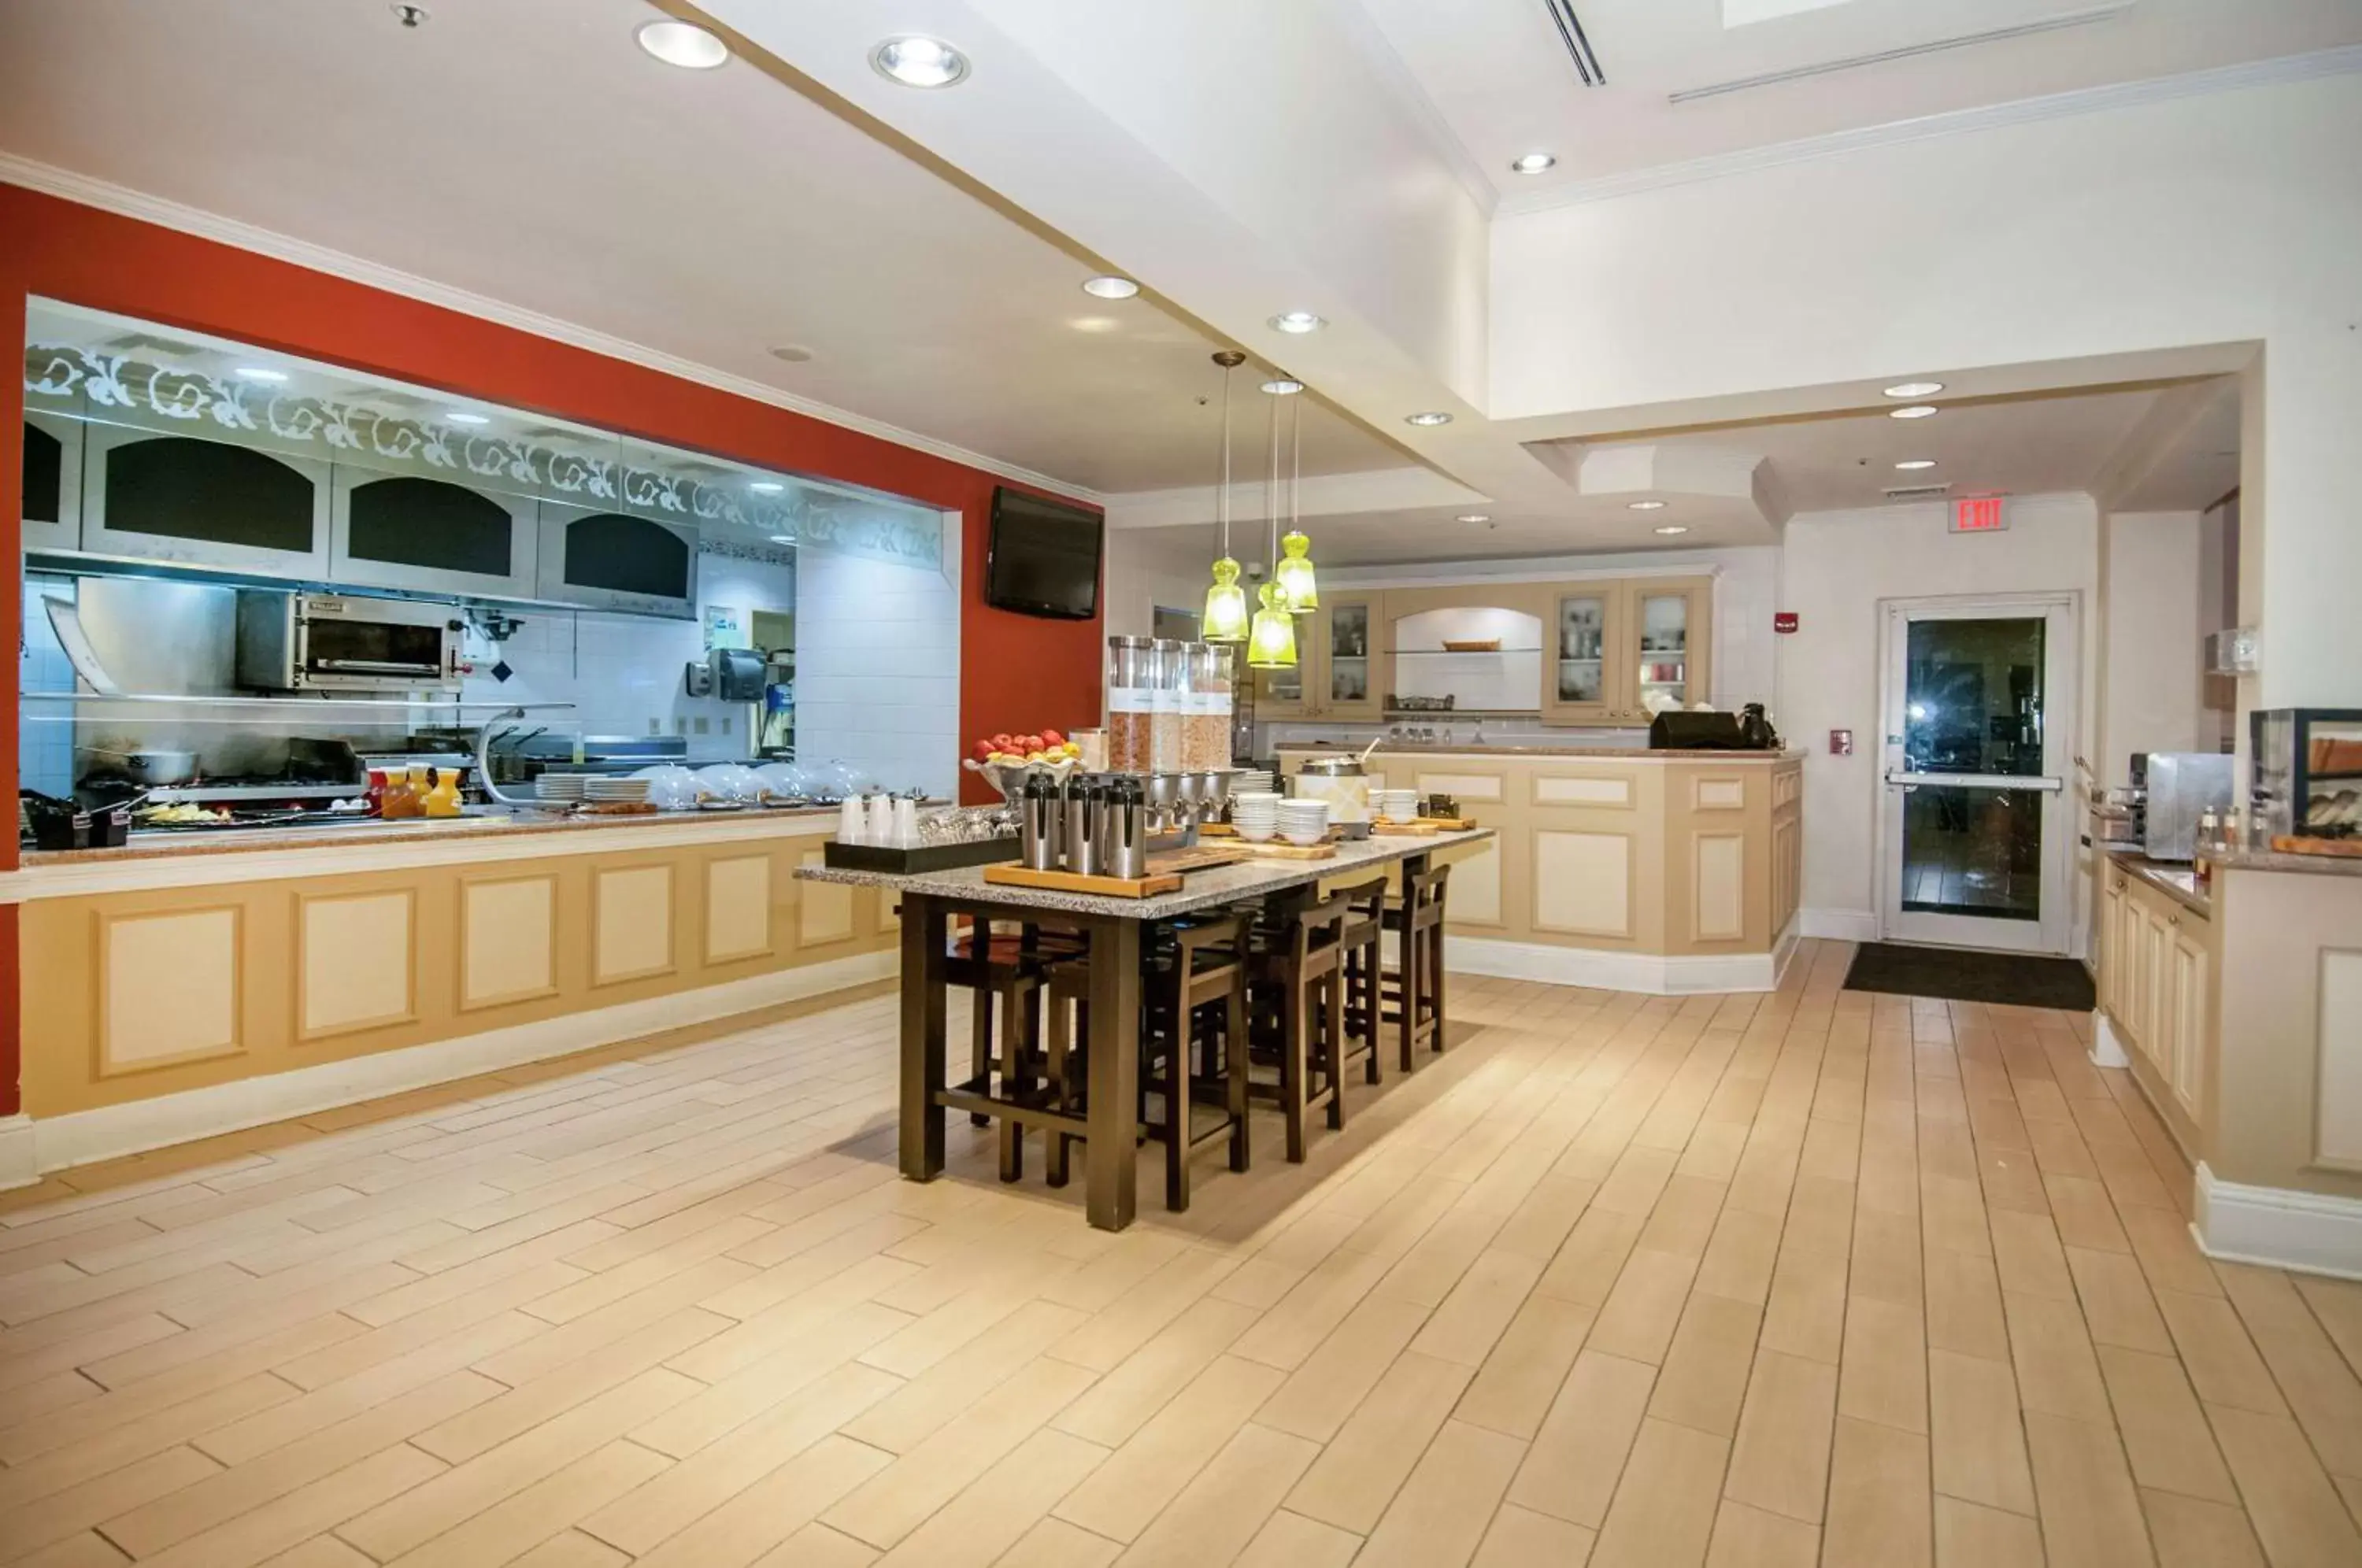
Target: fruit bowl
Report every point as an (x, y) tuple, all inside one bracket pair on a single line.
[(1009, 778)]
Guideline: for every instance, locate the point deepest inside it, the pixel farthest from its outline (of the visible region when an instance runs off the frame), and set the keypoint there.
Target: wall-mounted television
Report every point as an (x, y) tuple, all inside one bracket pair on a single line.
[(1043, 558)]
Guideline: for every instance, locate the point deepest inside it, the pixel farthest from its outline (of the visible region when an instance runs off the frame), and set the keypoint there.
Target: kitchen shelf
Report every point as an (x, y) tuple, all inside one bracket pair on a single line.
[(291, 705), (1460, 653)]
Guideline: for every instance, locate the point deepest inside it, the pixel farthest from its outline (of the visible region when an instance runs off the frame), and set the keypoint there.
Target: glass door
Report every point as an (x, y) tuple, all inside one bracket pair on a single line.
[(1350, 669), (1664, 656), (1979, 710), (1579, 674)]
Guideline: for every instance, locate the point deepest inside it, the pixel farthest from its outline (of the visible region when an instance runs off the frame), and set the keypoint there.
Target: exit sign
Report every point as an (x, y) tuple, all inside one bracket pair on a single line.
[(1979, 513)]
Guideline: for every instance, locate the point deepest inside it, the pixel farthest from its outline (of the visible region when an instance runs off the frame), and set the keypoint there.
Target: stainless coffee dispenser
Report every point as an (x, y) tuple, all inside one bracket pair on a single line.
[(1122, 829)]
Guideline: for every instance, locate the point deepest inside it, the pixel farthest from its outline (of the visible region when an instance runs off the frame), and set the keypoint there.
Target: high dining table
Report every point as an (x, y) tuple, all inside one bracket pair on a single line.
[(1112, 928)]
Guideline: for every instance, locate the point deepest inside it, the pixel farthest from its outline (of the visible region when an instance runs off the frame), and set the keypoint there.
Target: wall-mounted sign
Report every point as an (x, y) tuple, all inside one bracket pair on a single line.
[(1783, 620), (1840, 743), (1979, 513)]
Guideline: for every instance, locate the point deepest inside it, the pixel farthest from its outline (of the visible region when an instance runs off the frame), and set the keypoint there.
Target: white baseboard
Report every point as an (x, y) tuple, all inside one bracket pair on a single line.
[(1838, 926), (108, 1131), (1651, 973), (2309, 1231), (17, 1166), (2107, 1046)]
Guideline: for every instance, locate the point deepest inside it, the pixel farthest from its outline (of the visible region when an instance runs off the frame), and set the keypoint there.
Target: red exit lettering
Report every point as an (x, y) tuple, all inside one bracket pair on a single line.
[(1979, 513)]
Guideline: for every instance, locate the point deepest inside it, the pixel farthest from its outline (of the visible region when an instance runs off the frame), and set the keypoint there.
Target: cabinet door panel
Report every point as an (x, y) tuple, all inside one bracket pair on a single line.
[(2191, 1020), (1353, 664), (52, 492), (415, 532), (177, 498), (1583, 668)]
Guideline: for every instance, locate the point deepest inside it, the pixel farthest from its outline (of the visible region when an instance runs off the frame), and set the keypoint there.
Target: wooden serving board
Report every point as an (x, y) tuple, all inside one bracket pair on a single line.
[(618, 808), (2296, 844), (1423, 826), (1165, 869), (1277, 849)]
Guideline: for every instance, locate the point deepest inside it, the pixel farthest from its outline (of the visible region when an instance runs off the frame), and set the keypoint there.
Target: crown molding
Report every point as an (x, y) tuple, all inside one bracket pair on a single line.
[(122, 200), (1959, 122)]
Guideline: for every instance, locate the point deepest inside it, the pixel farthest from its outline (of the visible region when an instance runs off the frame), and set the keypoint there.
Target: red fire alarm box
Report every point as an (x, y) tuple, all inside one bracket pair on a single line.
[(1783, 620), (1840, 743)]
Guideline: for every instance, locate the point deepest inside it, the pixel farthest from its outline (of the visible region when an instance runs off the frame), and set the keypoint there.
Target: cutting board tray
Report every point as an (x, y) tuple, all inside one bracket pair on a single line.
[(1165, 874)]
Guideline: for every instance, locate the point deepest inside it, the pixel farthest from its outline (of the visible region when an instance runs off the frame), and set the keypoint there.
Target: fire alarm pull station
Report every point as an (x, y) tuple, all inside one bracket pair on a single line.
[(1840, 743)]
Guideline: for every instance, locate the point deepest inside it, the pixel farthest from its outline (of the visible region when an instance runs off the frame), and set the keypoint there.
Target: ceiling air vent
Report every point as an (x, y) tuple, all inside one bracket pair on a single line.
[(1570, 33), (1908, 51), (1916, 491)]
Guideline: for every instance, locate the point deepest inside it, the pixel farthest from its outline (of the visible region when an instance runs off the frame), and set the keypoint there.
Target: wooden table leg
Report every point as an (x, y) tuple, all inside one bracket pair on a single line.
[(1110, 1157), (924, 965)]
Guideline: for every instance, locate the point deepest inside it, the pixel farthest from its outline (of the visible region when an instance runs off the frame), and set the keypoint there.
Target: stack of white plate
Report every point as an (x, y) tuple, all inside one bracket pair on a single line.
[(559, 788), (1303, 822), (1251, 781), (601, 791), (1395, 805), (1255, 814)]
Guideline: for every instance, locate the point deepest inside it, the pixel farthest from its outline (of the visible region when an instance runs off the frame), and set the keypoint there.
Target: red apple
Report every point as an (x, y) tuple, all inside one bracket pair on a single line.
[(1033, 742), (1004, 741), (1052, 737), (983, 750)]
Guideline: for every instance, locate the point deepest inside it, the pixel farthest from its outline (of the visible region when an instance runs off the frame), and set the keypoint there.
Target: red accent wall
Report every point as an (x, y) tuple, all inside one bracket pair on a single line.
[(1016, 670)]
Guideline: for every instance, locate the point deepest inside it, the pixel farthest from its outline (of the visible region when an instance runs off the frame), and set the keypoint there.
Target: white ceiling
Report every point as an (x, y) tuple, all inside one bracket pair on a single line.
[(2146, 448), (1497, 74), (528, 151)]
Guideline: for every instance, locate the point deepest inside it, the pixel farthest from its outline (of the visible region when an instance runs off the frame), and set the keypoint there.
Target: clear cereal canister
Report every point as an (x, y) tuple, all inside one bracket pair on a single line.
[(1130, 704), (1169, 667)]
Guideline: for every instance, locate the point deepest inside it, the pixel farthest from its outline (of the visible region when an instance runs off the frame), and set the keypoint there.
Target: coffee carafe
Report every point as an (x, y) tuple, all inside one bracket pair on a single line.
[(1081, 841), (1042, 819), (1123, 830)]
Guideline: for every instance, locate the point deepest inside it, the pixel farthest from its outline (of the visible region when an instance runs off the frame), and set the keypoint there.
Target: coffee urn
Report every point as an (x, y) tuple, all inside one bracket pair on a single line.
[(1123, 830), (1081, 838), (1041, 821)]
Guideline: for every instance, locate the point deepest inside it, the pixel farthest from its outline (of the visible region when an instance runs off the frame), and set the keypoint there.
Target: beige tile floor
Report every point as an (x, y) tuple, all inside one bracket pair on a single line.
[(1729, 1280)]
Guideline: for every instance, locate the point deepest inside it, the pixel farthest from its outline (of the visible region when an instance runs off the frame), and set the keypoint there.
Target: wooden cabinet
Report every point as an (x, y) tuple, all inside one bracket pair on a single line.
[(2157, 986), (1342, 665), (1613, 641)]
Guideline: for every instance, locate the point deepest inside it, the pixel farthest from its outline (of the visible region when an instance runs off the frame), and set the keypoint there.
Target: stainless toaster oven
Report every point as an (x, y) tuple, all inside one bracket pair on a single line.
[(336, 642)]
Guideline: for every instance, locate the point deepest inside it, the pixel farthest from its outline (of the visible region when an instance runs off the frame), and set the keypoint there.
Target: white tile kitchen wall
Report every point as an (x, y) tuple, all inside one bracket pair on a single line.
[(878, 667)]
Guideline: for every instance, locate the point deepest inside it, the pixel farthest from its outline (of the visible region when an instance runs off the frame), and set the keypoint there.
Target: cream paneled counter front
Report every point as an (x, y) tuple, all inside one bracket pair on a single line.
[(1669, 872), (182, 988)]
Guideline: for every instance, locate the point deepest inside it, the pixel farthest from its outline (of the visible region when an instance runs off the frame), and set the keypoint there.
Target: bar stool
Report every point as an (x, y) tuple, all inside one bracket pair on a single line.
[(1195, 1044), (1296, 984), (1007, 974), (1365, 907), (1414, 988)]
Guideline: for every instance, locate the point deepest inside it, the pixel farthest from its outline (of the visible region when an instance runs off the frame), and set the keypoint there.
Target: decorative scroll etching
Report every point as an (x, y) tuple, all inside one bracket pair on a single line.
[(588, 470)]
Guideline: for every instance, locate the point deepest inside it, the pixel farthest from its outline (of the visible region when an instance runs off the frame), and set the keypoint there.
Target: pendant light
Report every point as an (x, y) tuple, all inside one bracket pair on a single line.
[(1225, 619), (1294, 573), (1272, 644)]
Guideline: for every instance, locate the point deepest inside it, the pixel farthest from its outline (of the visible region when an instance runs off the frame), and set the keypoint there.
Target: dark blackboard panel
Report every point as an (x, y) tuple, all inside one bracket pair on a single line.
[(428, 523), (184, 489), (626, 555), (45, 473)]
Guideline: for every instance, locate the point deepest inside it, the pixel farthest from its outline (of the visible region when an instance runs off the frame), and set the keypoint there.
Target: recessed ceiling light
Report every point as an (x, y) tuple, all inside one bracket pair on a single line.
[(1533, 163), (1475, 517), (684, 44), (1298, 321), (783, 538), (793, 353), (1646, 505), (1433, 417), (1913, 465), (258, 373), (1283, 386), (1915, 388), (767, 487), (456, 417), (1674, 528), (918, 61), (1917, 411), (1111, 288)]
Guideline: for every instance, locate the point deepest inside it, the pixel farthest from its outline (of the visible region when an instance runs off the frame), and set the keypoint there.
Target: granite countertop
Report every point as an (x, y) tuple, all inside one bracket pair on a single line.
[(1199, 890), (2173, 879), (153, 844), (1608, 752), (2278, 860)]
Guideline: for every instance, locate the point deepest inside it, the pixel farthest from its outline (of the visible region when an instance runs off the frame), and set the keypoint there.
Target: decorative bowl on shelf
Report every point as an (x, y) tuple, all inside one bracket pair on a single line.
[(1472, 645)]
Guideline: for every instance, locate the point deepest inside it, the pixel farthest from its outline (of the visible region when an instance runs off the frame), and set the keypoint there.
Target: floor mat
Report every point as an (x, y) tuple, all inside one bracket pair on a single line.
[(2014, 979)]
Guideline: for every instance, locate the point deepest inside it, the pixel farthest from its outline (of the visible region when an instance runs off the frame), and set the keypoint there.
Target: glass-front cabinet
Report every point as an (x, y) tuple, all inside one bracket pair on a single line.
[(1616, 642), (1341, 665)]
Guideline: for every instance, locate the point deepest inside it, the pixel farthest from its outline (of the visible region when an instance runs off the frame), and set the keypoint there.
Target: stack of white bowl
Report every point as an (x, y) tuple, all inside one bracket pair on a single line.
[(1303, 822), (1255, 814), (601, 791), (1395, 805), (560, 788), (1251, 781)]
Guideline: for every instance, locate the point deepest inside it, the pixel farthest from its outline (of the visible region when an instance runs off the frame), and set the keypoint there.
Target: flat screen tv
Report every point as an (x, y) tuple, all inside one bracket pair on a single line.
[(1043, 558)]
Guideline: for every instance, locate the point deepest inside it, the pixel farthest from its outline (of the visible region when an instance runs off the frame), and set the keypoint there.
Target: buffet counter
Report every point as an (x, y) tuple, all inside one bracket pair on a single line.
[(1661, 871), (180, 987)]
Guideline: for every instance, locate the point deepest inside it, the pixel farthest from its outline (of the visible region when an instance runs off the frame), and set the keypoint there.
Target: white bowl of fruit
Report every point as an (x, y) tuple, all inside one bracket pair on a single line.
[(1004, 759)]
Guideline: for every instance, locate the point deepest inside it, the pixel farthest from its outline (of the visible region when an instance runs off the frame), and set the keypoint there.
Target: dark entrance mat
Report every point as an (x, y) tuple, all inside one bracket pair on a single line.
[(1958, 974)]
